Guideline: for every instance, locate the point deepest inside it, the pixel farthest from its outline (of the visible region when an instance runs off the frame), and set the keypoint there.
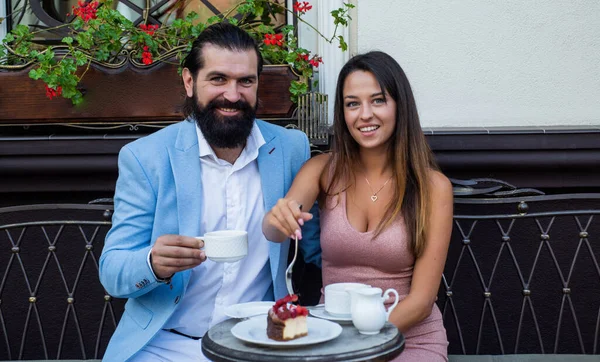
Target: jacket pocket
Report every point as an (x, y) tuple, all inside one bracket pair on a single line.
[(139, 313)]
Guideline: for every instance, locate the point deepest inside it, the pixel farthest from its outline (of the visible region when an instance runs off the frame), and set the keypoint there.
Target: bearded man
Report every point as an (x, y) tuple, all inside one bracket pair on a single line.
[(221, 169)]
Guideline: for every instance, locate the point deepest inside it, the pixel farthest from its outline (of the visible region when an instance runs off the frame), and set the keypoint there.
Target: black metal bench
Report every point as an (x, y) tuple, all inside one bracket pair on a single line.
[(522, 275), (521, 283)]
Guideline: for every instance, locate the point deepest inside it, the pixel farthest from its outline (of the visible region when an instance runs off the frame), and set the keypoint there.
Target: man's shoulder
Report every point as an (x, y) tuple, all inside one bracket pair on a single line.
[(163, 137), (288, 135)]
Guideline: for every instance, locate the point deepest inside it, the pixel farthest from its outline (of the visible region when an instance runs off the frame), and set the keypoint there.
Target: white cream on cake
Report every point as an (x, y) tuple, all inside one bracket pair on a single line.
[(295, 327)]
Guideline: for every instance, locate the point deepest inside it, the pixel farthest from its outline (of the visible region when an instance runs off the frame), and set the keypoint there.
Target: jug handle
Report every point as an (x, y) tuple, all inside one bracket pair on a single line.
[(385, 296)]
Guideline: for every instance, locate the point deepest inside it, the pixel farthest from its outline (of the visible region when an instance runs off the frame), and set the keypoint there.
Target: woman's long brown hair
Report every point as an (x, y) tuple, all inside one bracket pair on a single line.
[(410, 156)]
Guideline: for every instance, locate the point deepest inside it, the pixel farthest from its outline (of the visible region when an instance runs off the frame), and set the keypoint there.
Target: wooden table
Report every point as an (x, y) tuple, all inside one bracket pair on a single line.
[(218, 344)]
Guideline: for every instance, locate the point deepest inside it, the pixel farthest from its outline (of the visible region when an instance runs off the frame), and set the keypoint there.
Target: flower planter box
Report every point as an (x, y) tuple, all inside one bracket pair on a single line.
[(126, 94)]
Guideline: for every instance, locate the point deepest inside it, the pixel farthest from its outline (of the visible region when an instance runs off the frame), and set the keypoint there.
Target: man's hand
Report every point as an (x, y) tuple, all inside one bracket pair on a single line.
[(173, 253)]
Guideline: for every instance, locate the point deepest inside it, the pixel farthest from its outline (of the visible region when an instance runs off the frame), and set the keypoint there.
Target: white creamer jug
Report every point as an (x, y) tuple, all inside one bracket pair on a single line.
[(368, 311)]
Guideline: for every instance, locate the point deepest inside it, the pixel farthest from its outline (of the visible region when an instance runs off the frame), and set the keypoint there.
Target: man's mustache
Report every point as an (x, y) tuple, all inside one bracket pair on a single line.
[(223, 103)]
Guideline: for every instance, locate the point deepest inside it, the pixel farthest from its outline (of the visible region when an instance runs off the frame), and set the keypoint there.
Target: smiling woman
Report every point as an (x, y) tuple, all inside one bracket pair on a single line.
[(380, 187), (370, 113)]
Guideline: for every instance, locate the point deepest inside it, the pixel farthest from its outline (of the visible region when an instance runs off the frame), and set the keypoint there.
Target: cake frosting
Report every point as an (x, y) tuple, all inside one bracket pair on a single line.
[(287, 321)]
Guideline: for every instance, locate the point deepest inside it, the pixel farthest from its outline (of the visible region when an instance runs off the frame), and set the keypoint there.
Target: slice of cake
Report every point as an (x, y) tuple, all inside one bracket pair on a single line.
[(287, 321)]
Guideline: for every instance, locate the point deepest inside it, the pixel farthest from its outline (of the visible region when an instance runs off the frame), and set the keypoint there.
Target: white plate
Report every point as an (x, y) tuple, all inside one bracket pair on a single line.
[(322, 313), (246, 310), (254, 330)]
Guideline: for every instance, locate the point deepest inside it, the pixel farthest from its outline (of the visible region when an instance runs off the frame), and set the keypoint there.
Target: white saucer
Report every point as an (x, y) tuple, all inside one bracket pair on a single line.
[(320, 312), (254, 330), (246, 310)]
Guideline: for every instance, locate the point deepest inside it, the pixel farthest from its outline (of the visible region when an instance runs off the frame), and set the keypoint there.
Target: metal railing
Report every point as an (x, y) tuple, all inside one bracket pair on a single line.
[(312, 114)]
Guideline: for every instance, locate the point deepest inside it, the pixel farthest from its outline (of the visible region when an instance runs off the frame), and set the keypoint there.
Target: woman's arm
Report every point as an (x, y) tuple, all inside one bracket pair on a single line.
[(285, 218), (429, 266)]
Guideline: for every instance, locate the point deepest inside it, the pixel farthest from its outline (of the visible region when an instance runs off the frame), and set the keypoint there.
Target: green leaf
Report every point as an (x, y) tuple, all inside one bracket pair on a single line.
[(213, 19), (297, 88), (291, 57), (259, 10), (199, 28), (191, 16), (85, 40), (343, 44), (67, 40), (244, 9), (34, 74), (102, 54), (68, 92), (80, 58), (77, 98), (177, 24), (48, 56), (78, 23), (287, 29), (21, 30), (9, 38)]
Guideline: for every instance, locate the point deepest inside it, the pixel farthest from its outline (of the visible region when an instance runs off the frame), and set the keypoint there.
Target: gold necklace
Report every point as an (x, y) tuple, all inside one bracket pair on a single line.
[(374, 196)]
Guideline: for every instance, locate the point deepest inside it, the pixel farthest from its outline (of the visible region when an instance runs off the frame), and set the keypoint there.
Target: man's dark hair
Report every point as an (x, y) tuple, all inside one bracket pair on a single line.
[(223, 35)]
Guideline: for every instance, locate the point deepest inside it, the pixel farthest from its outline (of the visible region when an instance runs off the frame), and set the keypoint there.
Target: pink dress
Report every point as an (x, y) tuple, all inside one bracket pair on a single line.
[(384, 262)]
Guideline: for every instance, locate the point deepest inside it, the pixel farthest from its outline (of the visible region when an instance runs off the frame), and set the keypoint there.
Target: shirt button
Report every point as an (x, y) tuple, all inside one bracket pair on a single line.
[(177, 300)]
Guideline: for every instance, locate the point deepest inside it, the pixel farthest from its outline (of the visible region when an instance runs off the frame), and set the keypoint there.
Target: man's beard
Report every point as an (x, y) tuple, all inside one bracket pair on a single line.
[(222, 131)]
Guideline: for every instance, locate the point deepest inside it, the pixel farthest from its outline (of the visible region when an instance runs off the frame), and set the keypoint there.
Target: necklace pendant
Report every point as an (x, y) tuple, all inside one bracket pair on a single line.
[(374, 198)]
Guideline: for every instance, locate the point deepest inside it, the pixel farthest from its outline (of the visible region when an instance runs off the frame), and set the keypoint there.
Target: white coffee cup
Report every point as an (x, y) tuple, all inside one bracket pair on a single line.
[(338, 300), (225, 246)]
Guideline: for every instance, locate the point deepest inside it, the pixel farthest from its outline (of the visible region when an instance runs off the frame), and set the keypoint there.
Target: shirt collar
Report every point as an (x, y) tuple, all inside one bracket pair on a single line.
[(254, 142)]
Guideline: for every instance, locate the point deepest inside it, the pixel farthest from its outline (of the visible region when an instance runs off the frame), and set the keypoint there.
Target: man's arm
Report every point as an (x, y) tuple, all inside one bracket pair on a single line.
[(124, 270)]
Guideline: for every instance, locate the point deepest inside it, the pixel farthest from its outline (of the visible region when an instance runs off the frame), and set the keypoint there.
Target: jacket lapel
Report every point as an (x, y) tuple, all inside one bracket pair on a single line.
[(272, 175), (185, 162)]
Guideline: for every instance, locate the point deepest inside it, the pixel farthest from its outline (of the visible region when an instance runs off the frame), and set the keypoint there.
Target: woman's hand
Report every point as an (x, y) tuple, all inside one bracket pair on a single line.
[(286, 219)]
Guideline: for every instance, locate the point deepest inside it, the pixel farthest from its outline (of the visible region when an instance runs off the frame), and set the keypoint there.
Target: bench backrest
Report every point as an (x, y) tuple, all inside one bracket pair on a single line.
[(522, 276)]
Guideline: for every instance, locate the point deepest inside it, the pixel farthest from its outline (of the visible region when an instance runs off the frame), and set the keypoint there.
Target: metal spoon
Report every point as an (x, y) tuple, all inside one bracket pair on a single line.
[(288, 271)]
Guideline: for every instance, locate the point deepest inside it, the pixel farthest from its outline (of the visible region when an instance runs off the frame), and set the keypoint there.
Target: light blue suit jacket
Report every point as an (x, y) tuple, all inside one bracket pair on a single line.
[(159, 192)]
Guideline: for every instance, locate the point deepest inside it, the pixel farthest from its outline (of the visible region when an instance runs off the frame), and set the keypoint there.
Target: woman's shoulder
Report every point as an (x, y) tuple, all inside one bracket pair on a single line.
[(318, 167), (440, 184), (319, 162)]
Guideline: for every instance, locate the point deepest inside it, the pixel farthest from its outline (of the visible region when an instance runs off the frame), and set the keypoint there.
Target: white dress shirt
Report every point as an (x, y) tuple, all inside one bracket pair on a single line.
[(232, 200)]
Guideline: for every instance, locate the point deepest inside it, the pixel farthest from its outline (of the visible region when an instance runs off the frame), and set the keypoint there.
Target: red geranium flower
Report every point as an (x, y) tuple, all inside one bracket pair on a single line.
[(302, 57), (86, 11), (302, 7), (53, 92), (147, 56), (315, 61), (271, 39), (149, 29)]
